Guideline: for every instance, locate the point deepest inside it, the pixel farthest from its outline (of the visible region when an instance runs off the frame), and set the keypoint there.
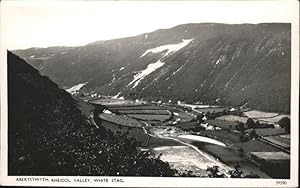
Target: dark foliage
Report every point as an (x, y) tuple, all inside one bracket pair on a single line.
[(285, 123), (214, 172), (199, 118), (240, 127), (250, 123), (238, 173), (244, 137), (253, 134), (277, 169)]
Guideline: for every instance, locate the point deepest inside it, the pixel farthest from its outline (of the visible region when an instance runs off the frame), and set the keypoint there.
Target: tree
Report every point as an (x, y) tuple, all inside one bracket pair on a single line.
[(237, 172), (244, 138), (250, 123), (253, 134), (224, 112), (241, 151), (214, 172), (186, 173), (240, 127), (199, 118), (257, 124), (285, 123)]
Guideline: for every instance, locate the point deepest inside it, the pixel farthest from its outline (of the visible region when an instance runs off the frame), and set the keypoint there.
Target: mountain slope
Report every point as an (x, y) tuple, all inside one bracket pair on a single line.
[(48, 135), (208, 62)]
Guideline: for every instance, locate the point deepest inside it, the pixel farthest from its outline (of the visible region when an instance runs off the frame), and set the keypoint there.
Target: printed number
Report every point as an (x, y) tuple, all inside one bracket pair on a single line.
[(281, 182)]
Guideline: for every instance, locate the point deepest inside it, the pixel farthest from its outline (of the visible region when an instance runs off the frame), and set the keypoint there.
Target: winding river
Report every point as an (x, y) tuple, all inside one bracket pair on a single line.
[(186, 157)]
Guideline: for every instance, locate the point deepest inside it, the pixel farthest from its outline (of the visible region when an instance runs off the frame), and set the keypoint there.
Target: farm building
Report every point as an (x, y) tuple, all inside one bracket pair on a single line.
[(223, 124)]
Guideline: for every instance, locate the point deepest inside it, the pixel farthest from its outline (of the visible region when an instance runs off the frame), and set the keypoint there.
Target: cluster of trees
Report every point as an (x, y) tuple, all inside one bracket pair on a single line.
[(214, 172), (251, 124), (243, 136)]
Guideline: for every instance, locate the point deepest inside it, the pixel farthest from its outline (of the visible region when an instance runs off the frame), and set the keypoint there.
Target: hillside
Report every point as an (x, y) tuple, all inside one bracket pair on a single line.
[(209, 63), (48, 134)]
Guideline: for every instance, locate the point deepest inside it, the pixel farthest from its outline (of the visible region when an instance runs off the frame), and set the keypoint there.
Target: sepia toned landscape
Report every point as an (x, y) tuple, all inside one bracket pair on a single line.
[(195, 100)]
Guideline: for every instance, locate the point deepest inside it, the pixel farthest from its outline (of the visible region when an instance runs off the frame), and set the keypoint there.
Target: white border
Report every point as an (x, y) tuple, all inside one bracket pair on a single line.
[(169, 182)]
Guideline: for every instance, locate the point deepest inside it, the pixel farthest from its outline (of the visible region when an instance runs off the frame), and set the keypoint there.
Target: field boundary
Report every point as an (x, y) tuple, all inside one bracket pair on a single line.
[(273, 144)]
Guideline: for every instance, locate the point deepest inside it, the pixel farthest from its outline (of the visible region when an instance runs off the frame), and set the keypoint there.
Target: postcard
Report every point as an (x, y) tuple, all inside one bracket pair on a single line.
[(149, 93)]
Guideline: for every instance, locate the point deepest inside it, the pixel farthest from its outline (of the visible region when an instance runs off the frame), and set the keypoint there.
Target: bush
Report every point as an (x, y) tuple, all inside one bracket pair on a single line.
[(285, 123), (250, 123), (240, 127), (214, 172), (238, 173)]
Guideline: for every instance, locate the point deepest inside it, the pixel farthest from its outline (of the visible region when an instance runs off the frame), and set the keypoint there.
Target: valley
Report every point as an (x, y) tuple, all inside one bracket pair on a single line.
[(195, 100), (212, 63), (174, 133)]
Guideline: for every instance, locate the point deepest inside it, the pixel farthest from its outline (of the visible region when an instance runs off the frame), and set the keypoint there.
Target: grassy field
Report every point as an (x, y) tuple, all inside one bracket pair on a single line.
[(231, 158), (222, 123), (272, 155), (135, 107), (145, 111), (255, 146), (224, 136), (155, 123), (210, 110), (120, 119), (182, 116), (199, 106), (273, 119), (286, 136), (233, 118), (149, 117), (279, 140), (268, 131), (111, 101), (186, 125), (259, 114)]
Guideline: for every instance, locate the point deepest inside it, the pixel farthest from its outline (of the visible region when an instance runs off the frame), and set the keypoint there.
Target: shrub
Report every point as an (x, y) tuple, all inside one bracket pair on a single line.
[(285, 123)]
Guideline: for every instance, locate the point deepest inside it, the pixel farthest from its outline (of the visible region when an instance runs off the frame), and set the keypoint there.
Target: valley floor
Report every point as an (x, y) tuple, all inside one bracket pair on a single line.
[(172, 132)]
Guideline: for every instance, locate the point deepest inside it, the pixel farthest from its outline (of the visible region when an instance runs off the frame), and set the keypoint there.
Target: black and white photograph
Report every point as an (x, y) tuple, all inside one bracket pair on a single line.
[(123, 93)]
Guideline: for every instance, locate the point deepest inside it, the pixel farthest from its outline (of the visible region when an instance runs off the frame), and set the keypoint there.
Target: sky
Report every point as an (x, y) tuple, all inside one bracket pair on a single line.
[(71, 23)]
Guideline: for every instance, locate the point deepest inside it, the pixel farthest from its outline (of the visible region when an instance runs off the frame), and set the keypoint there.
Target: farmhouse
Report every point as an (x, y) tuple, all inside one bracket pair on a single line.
[(223, 124)]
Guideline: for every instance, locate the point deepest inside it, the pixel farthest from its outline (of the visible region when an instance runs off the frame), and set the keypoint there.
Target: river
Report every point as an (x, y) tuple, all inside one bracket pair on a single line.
[(186, 157), (183, 157)]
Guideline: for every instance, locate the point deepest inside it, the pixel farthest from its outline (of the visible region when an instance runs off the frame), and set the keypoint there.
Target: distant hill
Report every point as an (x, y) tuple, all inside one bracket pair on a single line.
[(48, 134), (208, 62)]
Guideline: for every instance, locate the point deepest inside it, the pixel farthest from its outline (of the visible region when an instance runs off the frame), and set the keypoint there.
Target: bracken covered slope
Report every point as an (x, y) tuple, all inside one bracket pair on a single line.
[(209, 62)]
